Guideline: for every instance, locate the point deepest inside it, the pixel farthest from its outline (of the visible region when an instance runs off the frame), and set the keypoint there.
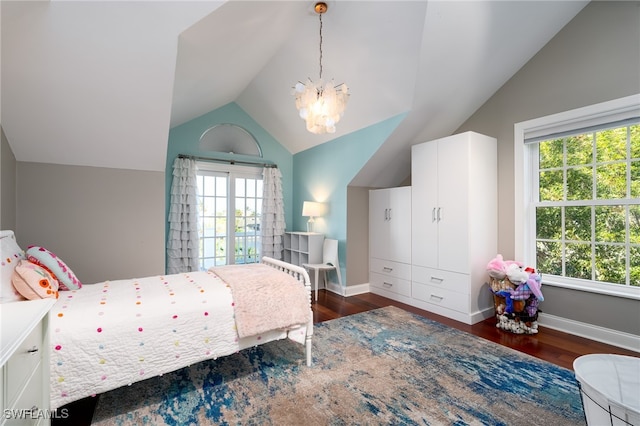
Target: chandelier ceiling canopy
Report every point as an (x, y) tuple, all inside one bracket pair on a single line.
[(321, 104)]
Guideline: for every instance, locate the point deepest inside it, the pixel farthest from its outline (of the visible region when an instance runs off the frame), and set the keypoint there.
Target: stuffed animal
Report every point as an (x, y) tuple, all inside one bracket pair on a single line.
[(516, 274), (535, 283), (497, 267)]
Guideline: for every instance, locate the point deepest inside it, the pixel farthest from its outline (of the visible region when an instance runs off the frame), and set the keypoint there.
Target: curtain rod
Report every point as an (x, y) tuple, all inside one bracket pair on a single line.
[(229, 161)]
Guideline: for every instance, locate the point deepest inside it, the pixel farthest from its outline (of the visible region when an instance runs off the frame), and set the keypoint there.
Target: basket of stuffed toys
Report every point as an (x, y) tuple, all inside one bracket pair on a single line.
[(516, 293)]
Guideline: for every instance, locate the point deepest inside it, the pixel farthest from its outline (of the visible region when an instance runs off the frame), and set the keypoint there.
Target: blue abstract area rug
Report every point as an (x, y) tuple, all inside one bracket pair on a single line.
[(385, 366)]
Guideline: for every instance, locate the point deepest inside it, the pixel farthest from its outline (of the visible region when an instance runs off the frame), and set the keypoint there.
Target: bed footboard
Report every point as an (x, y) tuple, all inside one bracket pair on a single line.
[(300, 274)]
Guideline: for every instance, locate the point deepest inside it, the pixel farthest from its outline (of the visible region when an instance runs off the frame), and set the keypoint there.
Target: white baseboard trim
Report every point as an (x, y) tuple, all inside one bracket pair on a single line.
[(347, 291), (590, 331)]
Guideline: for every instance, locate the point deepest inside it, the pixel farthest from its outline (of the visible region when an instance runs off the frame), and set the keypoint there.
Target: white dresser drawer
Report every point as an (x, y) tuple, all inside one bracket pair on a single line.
[(441, 297), (452, 281), (31, 398), (393, 284), (22, 363), (387, 267)]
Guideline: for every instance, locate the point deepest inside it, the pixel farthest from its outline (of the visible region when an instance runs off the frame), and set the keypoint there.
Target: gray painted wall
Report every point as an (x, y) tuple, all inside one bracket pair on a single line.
[(595, 58), (357, 227), (104, 223), (7, 185)]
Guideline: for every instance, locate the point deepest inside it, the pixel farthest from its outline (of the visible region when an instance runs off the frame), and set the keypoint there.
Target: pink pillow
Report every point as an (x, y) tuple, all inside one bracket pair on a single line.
[(33, 281), (10, 254), (56, 267)]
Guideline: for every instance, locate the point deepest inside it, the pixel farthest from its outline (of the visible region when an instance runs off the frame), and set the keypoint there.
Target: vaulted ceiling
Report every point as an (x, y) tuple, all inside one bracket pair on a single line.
[(100, 83)]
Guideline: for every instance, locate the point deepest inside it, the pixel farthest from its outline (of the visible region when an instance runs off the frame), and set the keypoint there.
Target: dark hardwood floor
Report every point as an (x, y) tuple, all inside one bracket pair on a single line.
[(550, 345)]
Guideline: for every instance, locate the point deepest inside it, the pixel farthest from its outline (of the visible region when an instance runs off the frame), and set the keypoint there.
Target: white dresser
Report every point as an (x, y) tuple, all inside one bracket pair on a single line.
[(24, 363)]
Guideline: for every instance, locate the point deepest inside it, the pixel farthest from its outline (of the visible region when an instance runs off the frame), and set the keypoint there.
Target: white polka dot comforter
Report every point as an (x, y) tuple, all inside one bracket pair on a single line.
[(114, 333)]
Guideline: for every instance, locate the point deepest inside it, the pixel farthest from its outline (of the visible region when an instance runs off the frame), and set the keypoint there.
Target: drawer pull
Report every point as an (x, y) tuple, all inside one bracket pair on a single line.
[(437, 298), (436, 279), (33, 350), (386, 284), (387, 269)]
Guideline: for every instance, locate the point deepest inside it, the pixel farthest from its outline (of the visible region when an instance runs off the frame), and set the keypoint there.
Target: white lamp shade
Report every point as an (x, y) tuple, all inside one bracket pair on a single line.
[(313, 209)]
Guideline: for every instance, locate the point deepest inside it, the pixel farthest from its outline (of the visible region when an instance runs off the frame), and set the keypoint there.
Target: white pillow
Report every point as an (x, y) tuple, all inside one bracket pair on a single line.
[(10, 255)]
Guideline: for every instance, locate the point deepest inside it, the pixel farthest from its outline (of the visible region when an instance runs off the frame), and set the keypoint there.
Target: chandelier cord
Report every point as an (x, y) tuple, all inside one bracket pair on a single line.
[(320, 15)]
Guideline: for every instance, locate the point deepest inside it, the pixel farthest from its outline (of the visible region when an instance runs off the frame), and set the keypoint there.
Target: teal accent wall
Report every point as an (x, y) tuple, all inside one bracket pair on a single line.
[(322, 174), (185, 139)]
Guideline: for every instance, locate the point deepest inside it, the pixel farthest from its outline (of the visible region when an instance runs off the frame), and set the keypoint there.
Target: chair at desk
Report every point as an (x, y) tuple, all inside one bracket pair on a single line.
[(329, 262)]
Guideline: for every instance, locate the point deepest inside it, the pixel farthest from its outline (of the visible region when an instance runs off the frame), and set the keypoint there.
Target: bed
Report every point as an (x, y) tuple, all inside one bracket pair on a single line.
[(111, 334)]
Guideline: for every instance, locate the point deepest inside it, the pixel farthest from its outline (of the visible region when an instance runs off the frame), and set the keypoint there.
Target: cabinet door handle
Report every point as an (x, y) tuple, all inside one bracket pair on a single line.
[(433, 215), (33, 350), (439, 214), (387, 269), (389, 214), (436, 297), (386, 215), (386, 284), (436, 279)]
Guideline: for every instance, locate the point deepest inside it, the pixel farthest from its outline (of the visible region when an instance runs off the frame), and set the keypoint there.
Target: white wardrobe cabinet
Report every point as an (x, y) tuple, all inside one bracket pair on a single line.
[(390, 242), (454, 216), (390, 224)]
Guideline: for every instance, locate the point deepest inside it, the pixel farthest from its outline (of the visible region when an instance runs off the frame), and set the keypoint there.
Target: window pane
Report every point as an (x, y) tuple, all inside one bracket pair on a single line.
[(634, 224), (580, 183), (259, 188), (578, 261), (610, 224), (551, 185), (635, 179), (251, 207), (209, 227), (550, 153), (209, 206), (251, 187), (221, 186), (610, 263), (549, 223), (580, 150), (209, 248), (612, 181), (221, 225), (547, 255), (240, 187), (635, 140), (611, 145), (209, 186), (577, 223), (634, 271)]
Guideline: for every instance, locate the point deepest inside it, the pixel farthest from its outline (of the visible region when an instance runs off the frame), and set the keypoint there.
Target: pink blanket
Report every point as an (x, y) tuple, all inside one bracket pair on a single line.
[(264, 298)]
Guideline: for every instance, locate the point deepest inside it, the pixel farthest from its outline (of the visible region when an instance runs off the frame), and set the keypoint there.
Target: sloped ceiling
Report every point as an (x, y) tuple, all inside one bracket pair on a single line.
[(100, 83)]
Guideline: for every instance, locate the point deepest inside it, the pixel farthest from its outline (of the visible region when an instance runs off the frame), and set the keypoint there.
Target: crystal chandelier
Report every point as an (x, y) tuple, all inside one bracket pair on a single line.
[(321, 105)]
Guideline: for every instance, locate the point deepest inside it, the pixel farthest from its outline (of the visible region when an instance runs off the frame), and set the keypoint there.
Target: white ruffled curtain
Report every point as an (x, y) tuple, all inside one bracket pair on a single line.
[(273, 224), (183, 240)]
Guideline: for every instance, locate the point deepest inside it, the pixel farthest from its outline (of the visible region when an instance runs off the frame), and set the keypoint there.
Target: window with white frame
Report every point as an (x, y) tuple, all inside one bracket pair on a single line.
[(581, 189), (229, 214)]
